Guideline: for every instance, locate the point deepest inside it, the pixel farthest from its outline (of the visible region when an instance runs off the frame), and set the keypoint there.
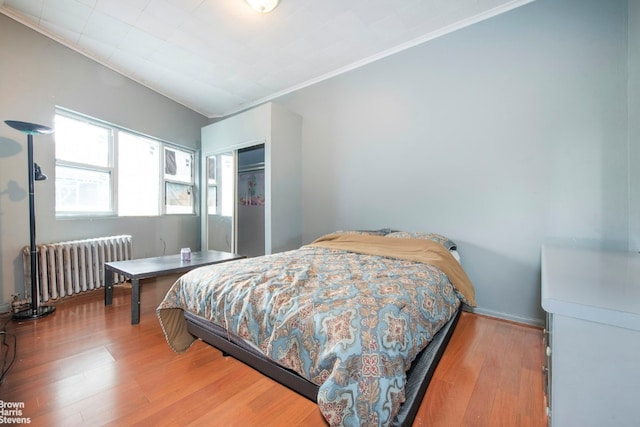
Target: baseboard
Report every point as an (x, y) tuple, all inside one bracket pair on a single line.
[(505, 316), (5, 308)]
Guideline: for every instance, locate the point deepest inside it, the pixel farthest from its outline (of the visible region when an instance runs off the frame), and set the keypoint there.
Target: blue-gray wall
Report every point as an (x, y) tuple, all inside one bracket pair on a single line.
[(502, 136), (36, 74), (634, 124)]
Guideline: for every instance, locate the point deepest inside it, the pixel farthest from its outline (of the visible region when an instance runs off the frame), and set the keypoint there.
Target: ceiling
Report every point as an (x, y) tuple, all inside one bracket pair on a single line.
[(218, 57)]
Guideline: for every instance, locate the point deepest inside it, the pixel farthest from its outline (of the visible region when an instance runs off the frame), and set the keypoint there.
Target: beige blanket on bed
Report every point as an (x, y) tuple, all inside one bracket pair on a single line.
[(420, 250)]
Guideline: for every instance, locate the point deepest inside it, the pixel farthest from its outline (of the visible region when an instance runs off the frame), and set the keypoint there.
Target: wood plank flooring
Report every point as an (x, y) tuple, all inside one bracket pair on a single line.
[(86, 365)]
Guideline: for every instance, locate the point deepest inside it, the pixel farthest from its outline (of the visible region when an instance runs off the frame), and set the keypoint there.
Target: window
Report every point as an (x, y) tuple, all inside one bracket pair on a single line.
[(105, 170), (178, 181), (139, 167), (84, 167)]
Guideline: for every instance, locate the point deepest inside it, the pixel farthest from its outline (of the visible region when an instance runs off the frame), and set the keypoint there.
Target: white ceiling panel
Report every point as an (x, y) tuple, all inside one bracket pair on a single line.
[(30, 8), (68, 14), (220, 57)]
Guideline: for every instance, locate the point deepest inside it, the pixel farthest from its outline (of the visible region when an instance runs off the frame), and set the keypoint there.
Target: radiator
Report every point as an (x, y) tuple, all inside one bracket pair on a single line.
[(67, 268)]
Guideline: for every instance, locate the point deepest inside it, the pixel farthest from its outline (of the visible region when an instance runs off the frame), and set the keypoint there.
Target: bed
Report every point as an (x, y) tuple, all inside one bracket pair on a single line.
[(355, 321)]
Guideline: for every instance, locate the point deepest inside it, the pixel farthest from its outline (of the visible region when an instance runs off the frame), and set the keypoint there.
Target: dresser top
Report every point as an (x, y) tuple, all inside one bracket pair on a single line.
[(592, 284)]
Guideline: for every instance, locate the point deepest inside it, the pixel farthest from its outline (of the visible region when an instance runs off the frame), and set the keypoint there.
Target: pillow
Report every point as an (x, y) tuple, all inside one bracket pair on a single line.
[(444, 241), (380, 232)]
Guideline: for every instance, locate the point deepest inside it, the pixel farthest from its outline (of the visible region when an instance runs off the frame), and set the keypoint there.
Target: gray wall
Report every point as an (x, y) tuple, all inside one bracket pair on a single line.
[(506, 134), (36, 75), (502, 136), (634, 124)]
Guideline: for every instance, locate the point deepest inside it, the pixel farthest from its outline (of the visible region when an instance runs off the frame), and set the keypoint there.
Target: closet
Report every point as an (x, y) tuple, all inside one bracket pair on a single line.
[(251, 186)]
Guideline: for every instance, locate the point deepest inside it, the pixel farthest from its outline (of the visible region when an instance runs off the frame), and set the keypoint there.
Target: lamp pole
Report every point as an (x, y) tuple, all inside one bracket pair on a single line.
[(32, 227), (35, 311)]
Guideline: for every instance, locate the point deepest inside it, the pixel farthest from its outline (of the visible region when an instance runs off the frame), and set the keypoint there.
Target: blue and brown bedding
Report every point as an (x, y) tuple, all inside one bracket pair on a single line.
[(349, 312)]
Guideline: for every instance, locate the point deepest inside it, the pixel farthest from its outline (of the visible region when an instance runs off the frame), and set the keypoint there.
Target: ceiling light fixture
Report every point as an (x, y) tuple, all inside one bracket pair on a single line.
[(263, 6)]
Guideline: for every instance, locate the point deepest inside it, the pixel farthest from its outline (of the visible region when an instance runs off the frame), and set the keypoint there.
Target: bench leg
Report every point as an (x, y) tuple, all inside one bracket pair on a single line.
[(108, 287), (135, 301)]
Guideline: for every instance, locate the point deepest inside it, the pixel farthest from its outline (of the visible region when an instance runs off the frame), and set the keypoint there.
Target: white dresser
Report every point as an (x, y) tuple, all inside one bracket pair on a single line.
[(592, 300)]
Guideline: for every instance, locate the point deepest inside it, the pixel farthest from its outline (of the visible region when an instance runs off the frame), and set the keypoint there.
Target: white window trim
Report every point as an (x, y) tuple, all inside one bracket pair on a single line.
[(115, 129)]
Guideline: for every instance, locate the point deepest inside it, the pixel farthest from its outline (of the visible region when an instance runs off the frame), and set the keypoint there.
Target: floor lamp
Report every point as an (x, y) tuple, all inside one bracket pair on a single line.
[(35, 174)]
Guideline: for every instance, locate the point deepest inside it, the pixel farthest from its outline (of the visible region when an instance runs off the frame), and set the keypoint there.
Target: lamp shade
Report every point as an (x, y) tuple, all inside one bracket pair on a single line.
[(38, 175), (28, 128)]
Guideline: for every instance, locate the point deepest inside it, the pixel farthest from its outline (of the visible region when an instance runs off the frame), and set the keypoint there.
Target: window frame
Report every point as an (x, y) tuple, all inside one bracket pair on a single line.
[(190, 183), (114, 141)]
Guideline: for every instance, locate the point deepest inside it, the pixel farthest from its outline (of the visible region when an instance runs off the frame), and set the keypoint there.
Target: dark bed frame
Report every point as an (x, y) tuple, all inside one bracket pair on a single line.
[(418, 376)]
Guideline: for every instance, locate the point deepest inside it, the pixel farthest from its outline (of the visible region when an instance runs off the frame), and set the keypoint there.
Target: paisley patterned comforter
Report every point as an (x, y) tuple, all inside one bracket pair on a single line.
[(350, 322)]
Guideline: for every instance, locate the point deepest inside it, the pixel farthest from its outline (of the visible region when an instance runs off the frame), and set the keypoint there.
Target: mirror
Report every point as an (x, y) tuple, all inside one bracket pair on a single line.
[(235, 201), (221, 185)]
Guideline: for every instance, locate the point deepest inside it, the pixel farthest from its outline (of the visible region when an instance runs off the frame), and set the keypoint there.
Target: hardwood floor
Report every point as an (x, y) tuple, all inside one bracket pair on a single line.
[(87, 365)]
